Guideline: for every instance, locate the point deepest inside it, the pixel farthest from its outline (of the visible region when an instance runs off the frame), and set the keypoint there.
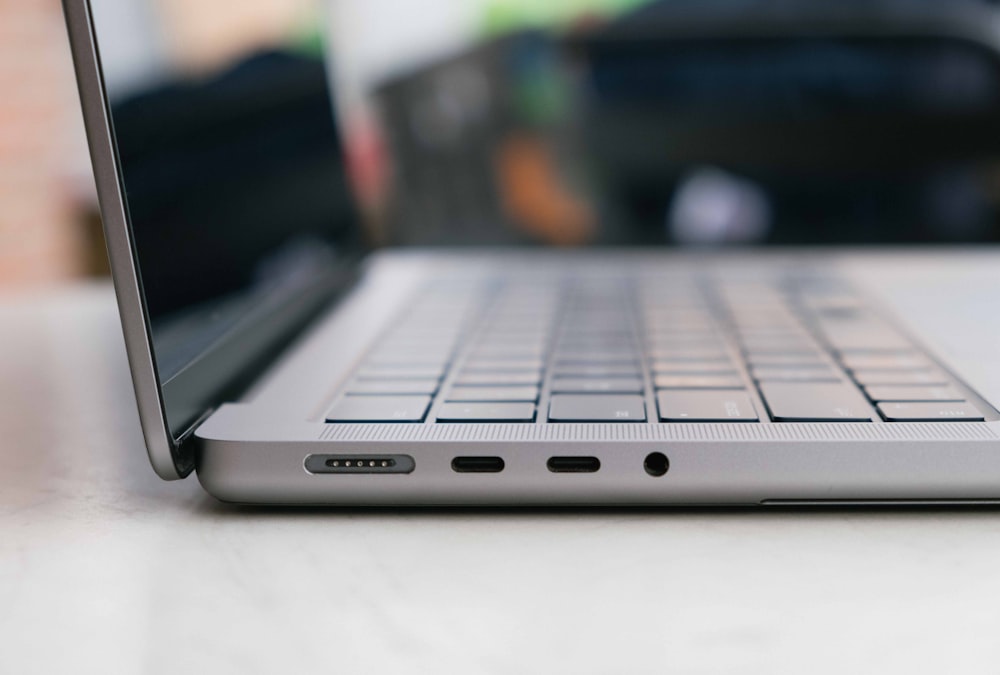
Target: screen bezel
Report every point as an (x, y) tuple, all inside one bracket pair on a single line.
[(172, 451)]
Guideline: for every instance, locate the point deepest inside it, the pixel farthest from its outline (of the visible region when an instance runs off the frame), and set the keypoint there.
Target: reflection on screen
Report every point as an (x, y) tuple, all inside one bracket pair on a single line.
[(707, 122), (233, 173)]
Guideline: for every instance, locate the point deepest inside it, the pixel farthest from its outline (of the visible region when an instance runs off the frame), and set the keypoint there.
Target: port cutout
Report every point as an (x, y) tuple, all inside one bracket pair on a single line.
[(359, 464), (478, 464), (656, 464), (573, 464)]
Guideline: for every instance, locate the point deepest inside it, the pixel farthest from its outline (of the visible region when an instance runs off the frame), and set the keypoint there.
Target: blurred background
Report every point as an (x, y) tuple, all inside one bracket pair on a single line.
[(565, 122), (44, 171)]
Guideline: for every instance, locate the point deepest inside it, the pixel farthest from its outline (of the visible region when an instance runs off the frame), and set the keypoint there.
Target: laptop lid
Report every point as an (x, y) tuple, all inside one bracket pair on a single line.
[(225, 200)]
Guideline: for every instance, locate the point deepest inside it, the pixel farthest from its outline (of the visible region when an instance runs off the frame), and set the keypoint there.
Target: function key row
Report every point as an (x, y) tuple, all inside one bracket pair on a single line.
[(786, 402), (705, 406)]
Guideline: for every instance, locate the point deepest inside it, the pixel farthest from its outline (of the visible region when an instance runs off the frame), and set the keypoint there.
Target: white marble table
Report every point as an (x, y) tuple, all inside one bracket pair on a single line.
[(104, 568)]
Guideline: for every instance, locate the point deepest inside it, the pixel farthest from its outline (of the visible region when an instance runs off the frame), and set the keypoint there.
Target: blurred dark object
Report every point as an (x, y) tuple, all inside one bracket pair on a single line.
[(483, 149), (229, 171), (716, 121), (95, 253)]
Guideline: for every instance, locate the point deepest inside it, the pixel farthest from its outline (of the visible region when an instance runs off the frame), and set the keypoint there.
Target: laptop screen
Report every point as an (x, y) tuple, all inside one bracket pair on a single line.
[(513, 122), (236, 189)]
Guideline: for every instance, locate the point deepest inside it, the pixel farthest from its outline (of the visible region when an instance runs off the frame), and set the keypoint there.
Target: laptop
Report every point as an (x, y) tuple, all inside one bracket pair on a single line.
[(282, 359)]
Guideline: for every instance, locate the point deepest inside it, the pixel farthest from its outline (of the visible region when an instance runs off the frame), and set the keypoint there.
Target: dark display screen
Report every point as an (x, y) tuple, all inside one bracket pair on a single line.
[(236, 187)]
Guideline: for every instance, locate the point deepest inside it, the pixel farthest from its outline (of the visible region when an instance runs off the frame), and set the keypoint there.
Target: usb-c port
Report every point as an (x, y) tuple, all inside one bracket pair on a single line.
[(573, 464), (477, 464)]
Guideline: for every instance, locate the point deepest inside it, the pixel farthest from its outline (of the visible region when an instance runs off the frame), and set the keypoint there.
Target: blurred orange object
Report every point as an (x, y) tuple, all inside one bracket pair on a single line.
[(535, 197)]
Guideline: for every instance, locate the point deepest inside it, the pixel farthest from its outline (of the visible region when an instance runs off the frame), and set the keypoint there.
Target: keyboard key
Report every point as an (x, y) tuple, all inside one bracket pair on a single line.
[(596, 408), (786, 360), (862, 335), (761, 349), (684, 342), (595, 321), (408, 359), (771, 331), (379, 409), (507, 343), (368, 387), (585, 385), (777, 345), (491, 366), (512, 353), (705, 406), (569, 334), (607, 371), (913, 393), (610, 342), (595, 358), (698, 382), (815, 402), (694, 368), (498, 379), (515, 334), (813, 374), (486, 412), (872, 350), (691, 354), (929, 412), (655, 333), (897, 361), (872, 378), (529, 394), (400, 373)]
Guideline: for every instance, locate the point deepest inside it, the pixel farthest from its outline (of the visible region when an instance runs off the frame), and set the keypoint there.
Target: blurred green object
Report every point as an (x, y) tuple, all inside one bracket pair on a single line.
[(311, 41), (309, 37), (502, 16)]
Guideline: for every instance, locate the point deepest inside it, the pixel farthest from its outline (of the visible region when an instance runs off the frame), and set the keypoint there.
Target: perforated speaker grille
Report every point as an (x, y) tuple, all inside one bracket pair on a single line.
[(659, 432)]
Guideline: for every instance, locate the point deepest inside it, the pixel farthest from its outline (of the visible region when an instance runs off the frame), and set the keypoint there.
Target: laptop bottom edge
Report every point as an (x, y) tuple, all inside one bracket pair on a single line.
[(612, 473)]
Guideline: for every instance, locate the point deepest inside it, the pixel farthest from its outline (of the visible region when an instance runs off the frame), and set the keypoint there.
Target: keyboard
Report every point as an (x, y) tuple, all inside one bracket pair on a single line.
[(648, 349)]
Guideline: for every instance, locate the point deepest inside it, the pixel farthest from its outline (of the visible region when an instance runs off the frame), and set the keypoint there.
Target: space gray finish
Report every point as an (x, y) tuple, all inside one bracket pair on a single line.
[(709, 463), (253, 450), (170, 458)]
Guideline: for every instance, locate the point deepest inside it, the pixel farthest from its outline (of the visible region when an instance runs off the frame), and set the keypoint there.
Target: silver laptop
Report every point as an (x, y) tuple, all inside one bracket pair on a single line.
[(283, 361)]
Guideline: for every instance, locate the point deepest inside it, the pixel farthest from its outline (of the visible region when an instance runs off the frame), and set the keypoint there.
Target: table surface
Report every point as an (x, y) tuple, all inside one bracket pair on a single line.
[(105, 567)]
